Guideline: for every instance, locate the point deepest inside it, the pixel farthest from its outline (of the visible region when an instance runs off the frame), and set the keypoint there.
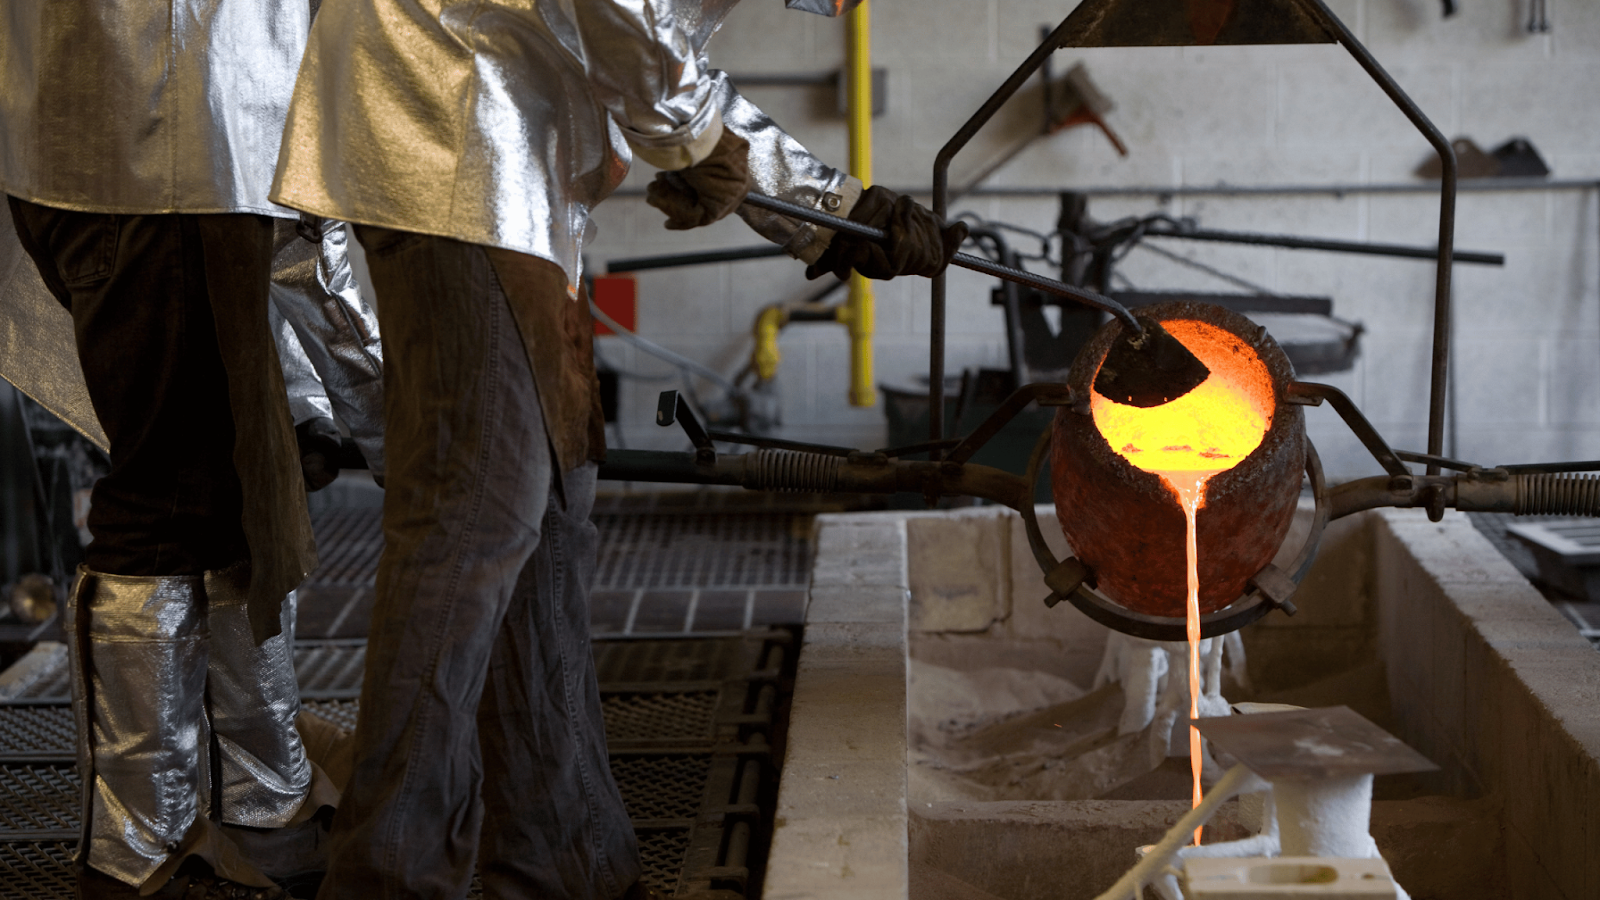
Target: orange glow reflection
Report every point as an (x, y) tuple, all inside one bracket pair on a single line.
[(1210, 429)]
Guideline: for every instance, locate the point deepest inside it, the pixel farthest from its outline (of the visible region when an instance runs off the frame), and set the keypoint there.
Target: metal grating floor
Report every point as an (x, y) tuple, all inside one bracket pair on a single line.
[(36, 870), (41, 799), (1494, 527), (683, 719), (703, 551), (36, 732), (691, 715)]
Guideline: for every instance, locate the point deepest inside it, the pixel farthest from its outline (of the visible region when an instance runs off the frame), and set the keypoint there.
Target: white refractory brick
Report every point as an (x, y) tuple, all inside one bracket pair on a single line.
[(1195, 105), (958, 570), (1503, 378), (1452, 551), (882, 604), (841, 817), (1501, 221), (1404, 31), (1496, 301), (903, 34), (688, 301), (745, 42), (1395, 292), (1574, 381), (1030, 619), (1152, 266), (1578, 37), (796, 383), (1410, 219), (1551, 102), (1310, 215), (902, 361), (860, 551), (1338, 104), (968, 312), (1395, 368)]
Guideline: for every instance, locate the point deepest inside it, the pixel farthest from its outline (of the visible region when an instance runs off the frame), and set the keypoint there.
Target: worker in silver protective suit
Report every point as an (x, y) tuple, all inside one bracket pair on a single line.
[(137, 142), (469, 140)]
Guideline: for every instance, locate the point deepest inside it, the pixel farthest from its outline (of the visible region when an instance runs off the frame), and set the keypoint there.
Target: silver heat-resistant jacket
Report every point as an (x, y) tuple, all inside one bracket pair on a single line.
[(146, 106), (504, 122)]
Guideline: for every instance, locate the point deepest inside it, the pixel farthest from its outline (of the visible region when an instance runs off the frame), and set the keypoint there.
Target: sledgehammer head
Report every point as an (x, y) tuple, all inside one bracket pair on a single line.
[(1148, 369)]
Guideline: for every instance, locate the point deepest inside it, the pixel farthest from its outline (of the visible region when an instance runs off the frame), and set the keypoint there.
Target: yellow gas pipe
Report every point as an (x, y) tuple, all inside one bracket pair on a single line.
[(764, 359), (859, 315)]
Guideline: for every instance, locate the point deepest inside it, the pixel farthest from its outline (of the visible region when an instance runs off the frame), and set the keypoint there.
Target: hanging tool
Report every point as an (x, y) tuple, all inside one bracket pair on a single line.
[(1538, 22), (1147, 368), (1072, 102)]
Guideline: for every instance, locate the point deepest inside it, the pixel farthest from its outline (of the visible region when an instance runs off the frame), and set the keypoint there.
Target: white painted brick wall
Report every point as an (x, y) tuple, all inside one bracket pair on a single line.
[(1528, 334)]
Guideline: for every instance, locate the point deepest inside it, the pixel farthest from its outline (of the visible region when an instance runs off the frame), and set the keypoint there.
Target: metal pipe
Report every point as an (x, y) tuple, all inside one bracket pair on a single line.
[(1297, 243), (1078, 295), (1465, 186), (1447, 219), (860, 313), (941, 208), (798, 471), (673, 260)]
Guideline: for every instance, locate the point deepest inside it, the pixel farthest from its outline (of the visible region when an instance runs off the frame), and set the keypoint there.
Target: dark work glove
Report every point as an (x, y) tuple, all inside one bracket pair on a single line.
[(319, 452), (707, 190), (918, 244)]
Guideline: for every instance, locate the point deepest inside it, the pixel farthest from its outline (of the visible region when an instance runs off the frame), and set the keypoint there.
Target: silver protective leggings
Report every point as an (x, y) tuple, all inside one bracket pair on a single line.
[(180, 715)]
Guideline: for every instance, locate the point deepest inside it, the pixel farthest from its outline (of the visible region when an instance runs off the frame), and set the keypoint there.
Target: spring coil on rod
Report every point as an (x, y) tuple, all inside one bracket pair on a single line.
[(793, 470), (1558, 495)]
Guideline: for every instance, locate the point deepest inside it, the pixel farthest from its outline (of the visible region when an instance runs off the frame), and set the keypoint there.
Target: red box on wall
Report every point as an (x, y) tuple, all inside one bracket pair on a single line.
[(618, 297)]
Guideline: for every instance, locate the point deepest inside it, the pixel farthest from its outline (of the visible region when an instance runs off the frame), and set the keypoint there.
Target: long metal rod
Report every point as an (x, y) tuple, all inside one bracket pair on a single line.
[(1463, 186), (964, 260), (705, 257), (941, 208), (1447, 220), (1297, 243)]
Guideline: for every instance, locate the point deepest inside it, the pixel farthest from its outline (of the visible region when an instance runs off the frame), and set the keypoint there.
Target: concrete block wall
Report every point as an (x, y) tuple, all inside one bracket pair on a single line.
[(1528, 351), (841, 820), (977, 596), (1494, 684)]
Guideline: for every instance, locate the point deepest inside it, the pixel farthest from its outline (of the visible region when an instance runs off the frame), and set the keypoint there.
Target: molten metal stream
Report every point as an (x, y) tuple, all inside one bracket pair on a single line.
[(1186, 442), (1190, 487)]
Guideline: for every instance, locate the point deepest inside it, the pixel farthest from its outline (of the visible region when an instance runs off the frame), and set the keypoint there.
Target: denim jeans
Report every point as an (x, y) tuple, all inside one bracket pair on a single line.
[(480, 738), (170, 317)]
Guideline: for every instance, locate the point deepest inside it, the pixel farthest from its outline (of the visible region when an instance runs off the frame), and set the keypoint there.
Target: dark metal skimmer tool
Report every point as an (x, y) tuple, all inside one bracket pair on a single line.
[(1147, 369)]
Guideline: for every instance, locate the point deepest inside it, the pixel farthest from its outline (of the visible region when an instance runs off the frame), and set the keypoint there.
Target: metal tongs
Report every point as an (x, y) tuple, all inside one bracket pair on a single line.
[(1147, 368)]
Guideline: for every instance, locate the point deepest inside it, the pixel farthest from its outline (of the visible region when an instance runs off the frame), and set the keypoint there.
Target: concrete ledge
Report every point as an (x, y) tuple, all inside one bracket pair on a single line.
[(1489, 679), (1074, 848), (840, 830), (1486, 678)]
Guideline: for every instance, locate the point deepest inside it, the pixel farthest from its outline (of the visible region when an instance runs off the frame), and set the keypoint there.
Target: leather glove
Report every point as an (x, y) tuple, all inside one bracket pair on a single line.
[(319, 451), (918, 243), (707, 190)]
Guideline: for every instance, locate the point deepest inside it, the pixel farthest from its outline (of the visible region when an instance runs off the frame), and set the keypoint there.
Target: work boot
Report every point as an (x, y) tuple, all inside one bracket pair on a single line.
[(194, 881), (641, 891), (295, 856)]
